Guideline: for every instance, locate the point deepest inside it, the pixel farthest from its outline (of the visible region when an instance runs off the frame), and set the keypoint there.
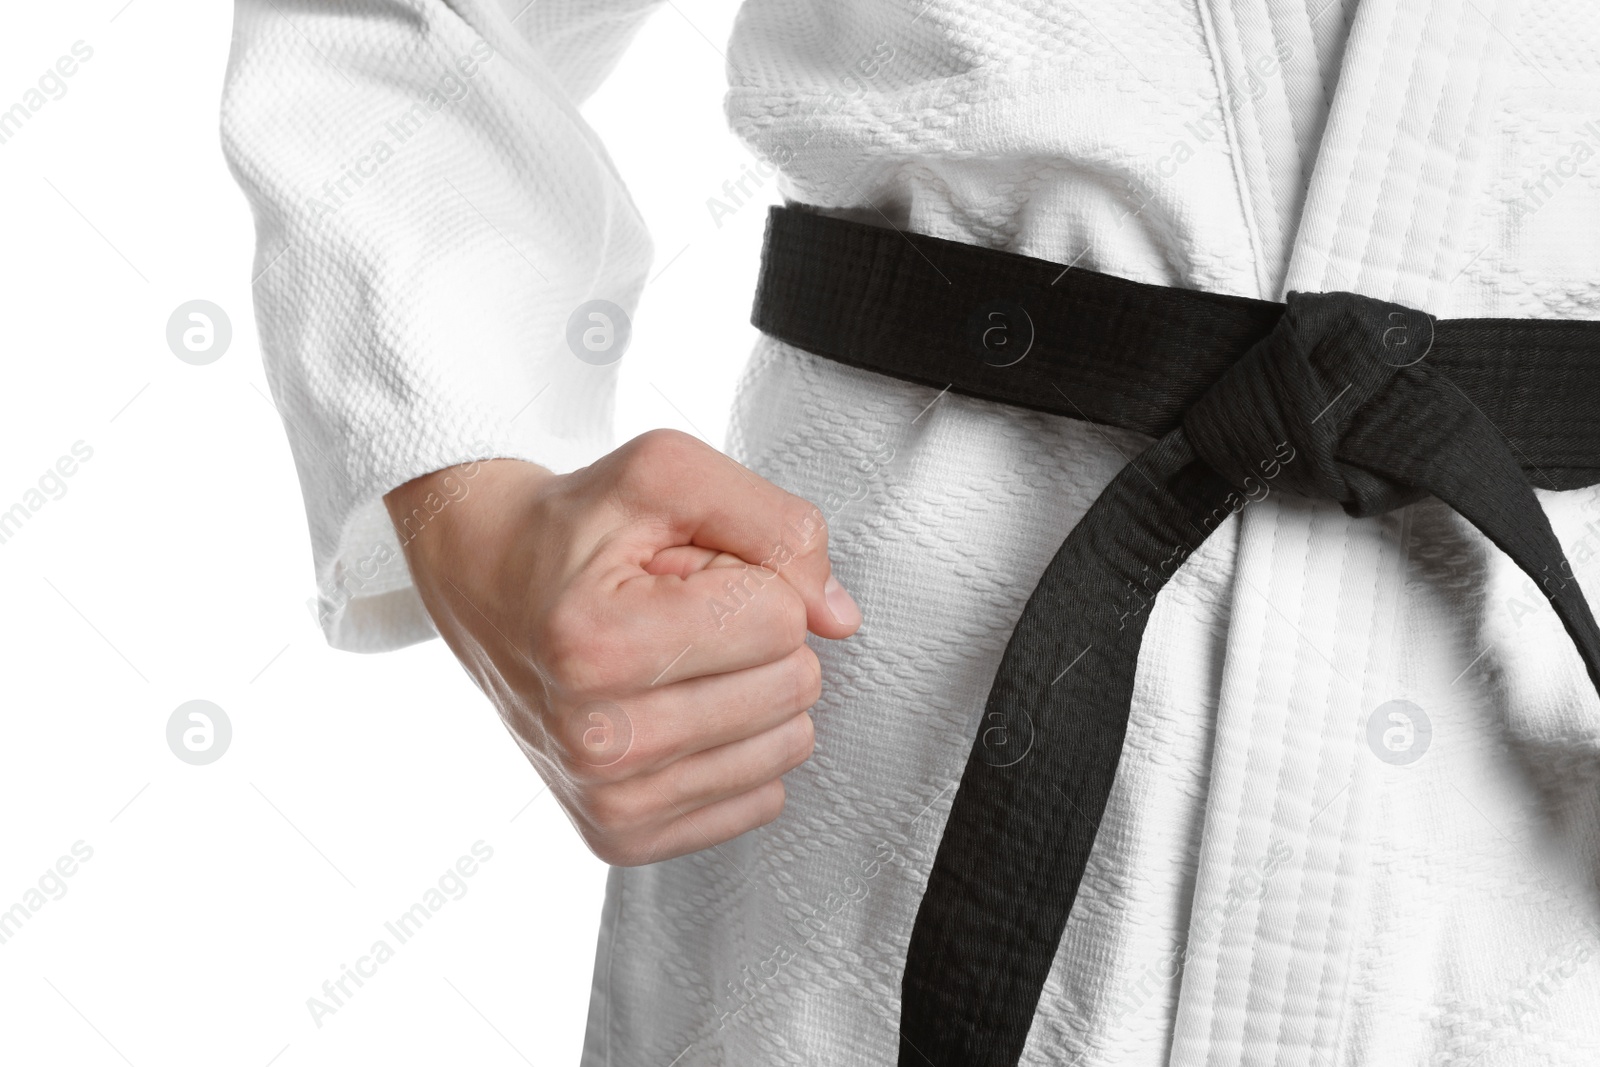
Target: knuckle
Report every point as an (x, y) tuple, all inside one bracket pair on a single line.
[(806, 676), (790, 621), (599, 759), (561, 639), (769, 802), (616, 849), (561, 743), (615, 812), (567, 743), (805, 528), (667, 441), (803, 740), (594, 743), (655, 452), (584, 770), (647, 750), (580, 651)]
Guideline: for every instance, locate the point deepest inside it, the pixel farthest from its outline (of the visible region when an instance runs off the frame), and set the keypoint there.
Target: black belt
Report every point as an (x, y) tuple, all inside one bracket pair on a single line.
[(1331, 395)]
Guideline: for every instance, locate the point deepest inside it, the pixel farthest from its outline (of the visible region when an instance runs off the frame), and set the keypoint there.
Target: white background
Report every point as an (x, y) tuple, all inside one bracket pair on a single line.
[(176, 567)]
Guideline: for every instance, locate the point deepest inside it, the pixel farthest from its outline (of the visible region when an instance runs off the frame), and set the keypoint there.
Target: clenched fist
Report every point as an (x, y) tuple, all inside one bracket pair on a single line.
[(640, 625)]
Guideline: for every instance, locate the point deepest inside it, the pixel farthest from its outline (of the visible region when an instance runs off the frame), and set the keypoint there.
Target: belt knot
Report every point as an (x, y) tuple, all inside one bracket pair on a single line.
[(1281, 417)]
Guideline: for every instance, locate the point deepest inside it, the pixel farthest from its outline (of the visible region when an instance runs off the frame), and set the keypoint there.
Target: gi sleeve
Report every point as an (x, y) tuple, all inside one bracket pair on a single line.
[(431, 213)]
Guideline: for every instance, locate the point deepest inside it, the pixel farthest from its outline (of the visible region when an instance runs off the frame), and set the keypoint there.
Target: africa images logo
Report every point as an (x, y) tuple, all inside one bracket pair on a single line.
[(1399, 732)]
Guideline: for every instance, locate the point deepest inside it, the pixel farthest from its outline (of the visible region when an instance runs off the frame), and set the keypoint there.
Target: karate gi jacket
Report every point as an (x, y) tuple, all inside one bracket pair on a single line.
[(1356, 819)]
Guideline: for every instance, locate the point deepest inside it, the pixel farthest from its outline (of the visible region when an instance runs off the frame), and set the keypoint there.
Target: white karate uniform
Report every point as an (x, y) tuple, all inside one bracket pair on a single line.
[(1279, 878)]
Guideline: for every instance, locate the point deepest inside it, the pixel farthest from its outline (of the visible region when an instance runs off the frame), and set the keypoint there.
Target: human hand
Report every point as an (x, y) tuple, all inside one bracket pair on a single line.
[(640, 626)]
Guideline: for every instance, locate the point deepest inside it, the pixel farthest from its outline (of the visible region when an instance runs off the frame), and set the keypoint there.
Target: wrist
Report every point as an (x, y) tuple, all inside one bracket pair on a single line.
[(454, 515)]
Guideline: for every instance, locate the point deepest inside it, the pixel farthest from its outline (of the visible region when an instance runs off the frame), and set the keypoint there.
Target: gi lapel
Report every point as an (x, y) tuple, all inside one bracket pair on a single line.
[(1292, 785)]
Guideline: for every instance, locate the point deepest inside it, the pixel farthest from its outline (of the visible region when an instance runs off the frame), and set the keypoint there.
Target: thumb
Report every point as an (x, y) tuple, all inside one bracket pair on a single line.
[(800, 556), (830, 610), (715, 503)]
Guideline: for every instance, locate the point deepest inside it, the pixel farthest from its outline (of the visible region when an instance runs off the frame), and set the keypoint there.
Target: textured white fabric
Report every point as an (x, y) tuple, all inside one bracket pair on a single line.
[(430, 209), (1265, 888)]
